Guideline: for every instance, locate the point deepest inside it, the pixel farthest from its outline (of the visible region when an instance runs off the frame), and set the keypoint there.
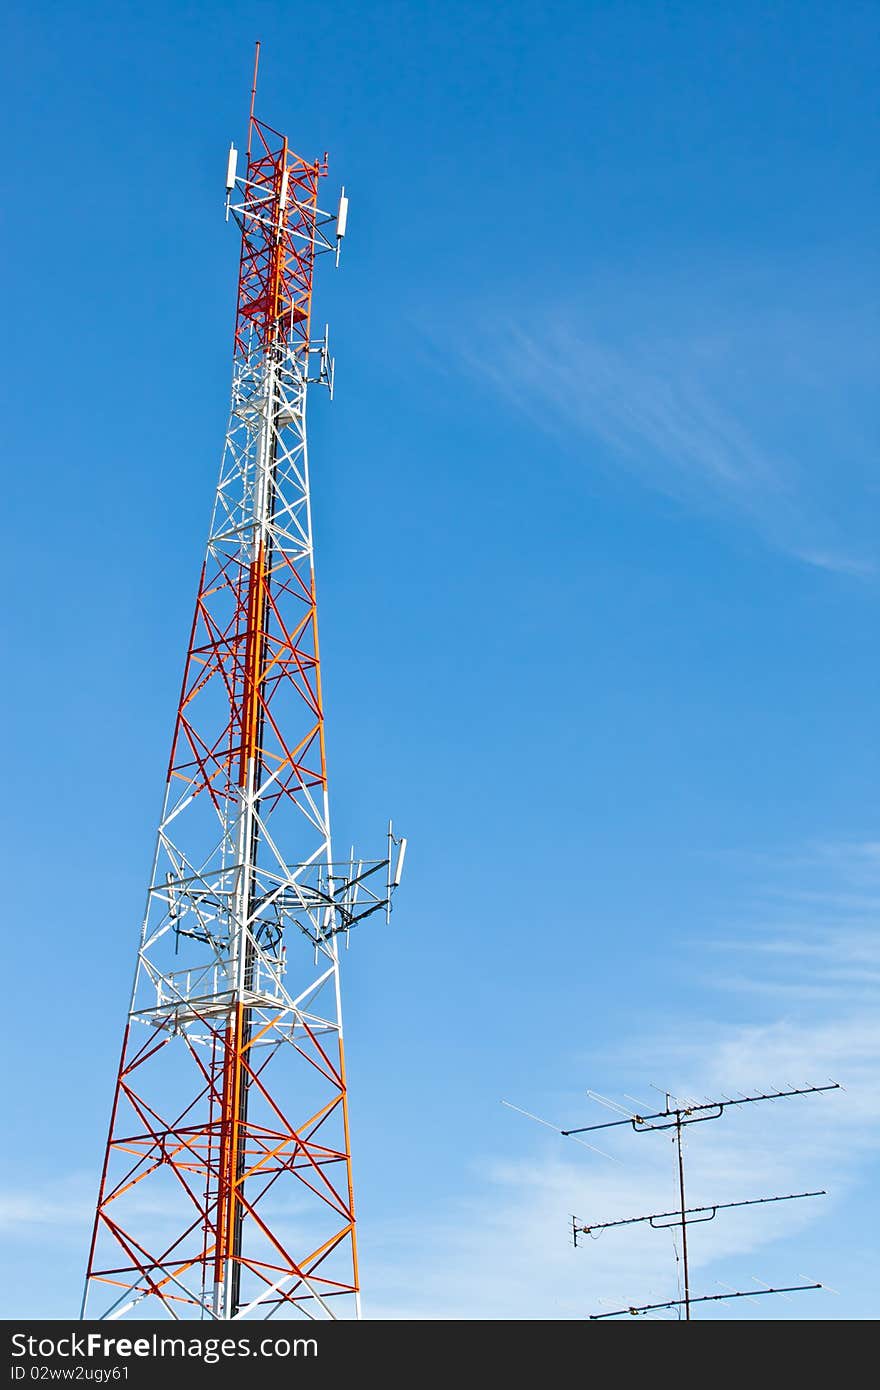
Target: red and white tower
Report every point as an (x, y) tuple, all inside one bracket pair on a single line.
[(227, 1186)]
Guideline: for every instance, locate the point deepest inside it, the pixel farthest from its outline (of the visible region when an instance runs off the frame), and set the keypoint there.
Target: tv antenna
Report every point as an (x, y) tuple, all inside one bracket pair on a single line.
[(677, 1117)]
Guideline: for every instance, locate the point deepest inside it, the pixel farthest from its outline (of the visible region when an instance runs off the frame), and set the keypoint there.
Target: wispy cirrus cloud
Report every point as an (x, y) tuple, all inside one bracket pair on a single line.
[(765, 418), (630, 401), (30, 1208)]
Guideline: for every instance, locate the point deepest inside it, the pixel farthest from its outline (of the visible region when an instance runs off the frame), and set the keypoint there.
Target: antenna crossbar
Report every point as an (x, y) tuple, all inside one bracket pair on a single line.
[(695, 1212), (702, 1298), (693, 1114)]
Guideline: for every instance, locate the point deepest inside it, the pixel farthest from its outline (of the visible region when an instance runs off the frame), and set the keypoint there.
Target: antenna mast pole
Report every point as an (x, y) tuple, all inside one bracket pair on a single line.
[(684, 1229)]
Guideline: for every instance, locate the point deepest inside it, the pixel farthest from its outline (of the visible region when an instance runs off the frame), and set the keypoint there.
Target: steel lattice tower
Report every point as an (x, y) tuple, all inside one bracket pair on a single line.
[(227, 1187)]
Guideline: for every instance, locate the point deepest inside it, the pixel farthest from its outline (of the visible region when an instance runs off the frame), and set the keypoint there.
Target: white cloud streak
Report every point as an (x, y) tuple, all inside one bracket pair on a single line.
[(675, 414)]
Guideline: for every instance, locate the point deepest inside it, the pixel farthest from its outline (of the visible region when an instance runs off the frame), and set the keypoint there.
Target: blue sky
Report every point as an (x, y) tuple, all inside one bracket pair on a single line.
[(597, 521)]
